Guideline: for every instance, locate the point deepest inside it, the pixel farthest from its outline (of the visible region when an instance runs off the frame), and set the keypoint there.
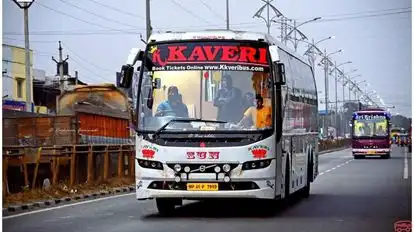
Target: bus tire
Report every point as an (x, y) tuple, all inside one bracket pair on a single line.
[(287, 179), (166, 206), (306, 189), (409, 148), (359, 156)]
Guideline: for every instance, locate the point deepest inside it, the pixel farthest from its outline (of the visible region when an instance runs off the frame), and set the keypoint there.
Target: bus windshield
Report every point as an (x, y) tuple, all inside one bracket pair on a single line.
[(221, 85), (371, 125)]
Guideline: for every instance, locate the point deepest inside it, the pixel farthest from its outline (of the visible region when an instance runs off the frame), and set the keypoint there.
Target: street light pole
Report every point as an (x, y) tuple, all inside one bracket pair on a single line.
[(336, 91), (336, 97), (295, 30), (227, 15), (25, 7), (267, 20), (310, 52), (325, 63), (148, 18)]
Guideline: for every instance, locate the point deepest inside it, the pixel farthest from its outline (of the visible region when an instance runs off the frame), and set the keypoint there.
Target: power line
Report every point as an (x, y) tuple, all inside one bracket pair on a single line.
[(76, 32), (211, 10), (363, 12), (32, 41), (89, 70), (85, 60), (98, 15), (189, 12), (116, 9), (112, 31), (363, 16), (48, 54), (78, 19)]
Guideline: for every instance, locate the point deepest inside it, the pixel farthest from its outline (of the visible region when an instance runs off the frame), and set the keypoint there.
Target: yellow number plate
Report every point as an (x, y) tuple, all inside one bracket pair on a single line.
[(371, 152), (202, 186)]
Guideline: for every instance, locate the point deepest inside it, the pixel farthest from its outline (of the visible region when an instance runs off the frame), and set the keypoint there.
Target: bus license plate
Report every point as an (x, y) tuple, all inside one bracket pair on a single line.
[(371, 152), (202, 186)]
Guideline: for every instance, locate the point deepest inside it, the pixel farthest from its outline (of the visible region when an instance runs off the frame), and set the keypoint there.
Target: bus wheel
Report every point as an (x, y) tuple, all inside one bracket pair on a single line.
[(359, 156), (287, 180), (166, 206), (305, 192)]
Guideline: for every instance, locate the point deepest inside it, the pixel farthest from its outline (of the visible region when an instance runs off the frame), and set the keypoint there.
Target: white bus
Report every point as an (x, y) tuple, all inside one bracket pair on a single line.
[(222, 114)]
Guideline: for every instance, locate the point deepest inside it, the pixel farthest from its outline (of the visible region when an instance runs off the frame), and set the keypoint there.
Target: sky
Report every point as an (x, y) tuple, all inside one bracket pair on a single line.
[(98, 35)]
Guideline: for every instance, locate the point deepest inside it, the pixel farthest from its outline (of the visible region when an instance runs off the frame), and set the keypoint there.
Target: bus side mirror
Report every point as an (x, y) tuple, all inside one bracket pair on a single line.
[(127, 72), (280, 74)]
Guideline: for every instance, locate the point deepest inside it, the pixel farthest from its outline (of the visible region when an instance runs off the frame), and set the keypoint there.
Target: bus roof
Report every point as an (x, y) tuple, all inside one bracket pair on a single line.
[(218, 34)]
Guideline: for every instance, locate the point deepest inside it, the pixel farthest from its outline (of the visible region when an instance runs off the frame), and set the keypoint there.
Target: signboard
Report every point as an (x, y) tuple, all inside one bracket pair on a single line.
[(14, 105), (225, 56), (370, 116), (322, 112)]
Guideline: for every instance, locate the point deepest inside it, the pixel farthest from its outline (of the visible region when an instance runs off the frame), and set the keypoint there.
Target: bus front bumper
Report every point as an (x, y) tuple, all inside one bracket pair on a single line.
[(382, 151), (265, 190)]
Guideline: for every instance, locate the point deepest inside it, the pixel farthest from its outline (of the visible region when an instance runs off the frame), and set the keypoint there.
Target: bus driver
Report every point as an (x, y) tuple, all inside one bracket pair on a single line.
[(260, 115)]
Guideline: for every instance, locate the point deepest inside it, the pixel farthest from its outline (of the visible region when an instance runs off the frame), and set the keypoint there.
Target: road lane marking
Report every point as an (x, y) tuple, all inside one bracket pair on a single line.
[(405, 175), (337, 166), (68, 205)]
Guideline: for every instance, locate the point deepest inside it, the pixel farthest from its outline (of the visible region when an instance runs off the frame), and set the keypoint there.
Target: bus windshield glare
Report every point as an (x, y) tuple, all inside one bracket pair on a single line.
[(221, 85), (370, 125)]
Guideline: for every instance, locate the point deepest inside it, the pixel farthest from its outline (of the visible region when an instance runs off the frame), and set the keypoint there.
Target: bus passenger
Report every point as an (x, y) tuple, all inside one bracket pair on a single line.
[(248, 101), (260, 115), (173, 104), (228, 101), (381, 131)]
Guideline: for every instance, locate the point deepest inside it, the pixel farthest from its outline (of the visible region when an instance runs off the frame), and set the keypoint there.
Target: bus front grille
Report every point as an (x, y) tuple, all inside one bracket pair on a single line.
[(231, 186)]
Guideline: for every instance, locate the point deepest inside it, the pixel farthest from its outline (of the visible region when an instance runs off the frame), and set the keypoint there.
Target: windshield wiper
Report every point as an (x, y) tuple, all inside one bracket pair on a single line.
[(184, 120)]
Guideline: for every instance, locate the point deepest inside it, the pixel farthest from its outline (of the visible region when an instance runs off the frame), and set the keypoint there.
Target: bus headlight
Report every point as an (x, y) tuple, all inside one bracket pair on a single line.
[(177, 167), (150, 164), (256, 164), (187, 169), (226, 168), (220, 176), (217, 169), (226, 179), (177, 179)]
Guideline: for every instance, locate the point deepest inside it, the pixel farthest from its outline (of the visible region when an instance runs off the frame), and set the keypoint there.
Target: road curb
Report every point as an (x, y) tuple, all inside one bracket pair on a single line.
[(65, 200), (332, 150)]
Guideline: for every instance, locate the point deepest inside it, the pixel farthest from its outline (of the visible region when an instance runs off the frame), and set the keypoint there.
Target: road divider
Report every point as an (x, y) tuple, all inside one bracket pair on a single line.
[(17, 208)]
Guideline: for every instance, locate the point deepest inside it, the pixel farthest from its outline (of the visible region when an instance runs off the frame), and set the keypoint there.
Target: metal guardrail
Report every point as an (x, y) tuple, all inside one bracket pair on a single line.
[(78, 157)]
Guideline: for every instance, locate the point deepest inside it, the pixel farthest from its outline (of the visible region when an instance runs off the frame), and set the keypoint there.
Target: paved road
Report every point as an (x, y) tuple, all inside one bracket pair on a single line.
[(349, 195)]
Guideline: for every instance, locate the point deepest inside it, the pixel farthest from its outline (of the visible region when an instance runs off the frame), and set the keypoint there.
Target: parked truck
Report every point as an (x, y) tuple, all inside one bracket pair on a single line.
[(97, 114)]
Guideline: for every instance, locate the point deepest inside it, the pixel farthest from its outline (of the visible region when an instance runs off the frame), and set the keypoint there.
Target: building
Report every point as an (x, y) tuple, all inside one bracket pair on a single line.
[(14, 77), (45, 89)]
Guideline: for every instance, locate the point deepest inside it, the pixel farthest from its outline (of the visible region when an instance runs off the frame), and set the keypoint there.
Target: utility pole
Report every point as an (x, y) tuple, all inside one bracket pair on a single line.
[(76, 78), (295, 42), (148, 19), (312, 56), (60, 65), (336, 97), (267, 20), (227, 15), (343, 100), (25, 7), (326, 67), (283, 25)]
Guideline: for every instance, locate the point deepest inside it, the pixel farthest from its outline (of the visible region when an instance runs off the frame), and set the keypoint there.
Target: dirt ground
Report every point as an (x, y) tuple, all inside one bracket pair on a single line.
[(62, 190)]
